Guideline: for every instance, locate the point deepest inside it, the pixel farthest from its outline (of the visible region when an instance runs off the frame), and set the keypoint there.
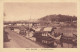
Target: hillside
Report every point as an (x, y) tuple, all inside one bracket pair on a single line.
[(58, 18)]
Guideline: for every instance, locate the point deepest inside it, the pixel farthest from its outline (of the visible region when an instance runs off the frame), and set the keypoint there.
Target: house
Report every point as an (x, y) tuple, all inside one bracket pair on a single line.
[(16, 30), (43, 35)]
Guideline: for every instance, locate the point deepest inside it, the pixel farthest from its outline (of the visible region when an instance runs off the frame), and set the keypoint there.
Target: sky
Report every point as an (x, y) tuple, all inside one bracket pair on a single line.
[(15, 11)]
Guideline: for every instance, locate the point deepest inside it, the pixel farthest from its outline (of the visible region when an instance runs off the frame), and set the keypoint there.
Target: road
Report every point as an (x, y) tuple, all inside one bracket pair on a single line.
[(18, 41)]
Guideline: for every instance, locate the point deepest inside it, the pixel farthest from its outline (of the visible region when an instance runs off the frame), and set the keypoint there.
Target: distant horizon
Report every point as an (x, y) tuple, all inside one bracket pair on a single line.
[(27, 11), (39, 18)]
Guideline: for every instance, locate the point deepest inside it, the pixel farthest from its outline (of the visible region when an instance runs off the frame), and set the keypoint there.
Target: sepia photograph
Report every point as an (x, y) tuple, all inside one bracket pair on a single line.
[(40, 25)]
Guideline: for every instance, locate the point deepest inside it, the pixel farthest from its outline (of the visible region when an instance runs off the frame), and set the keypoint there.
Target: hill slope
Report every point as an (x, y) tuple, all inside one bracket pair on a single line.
[(58, 18)]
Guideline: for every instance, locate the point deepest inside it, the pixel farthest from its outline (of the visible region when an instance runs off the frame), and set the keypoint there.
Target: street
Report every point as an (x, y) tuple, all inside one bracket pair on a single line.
[(17, 41)]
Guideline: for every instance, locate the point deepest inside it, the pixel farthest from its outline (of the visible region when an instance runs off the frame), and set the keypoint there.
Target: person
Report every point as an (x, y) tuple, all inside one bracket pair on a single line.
[(12, 28)]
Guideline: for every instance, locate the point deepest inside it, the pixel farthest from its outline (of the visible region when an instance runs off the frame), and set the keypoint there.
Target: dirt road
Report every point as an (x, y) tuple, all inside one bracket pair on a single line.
[(18, 41)]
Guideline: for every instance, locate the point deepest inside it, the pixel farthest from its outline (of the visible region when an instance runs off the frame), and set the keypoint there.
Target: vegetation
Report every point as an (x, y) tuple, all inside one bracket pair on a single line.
[(58, 18)]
